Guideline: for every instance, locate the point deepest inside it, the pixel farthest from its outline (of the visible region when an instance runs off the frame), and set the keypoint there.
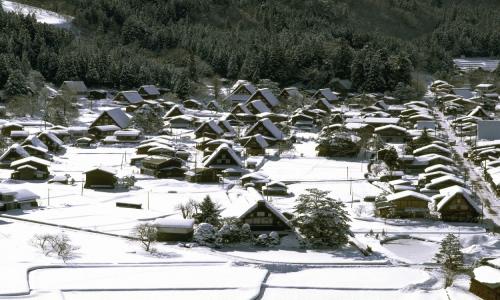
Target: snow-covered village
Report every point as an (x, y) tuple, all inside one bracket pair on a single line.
[(189, 182)]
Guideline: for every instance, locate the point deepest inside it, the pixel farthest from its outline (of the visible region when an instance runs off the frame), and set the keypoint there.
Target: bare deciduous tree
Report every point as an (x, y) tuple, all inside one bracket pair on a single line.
[(147, 235), (59, 244)]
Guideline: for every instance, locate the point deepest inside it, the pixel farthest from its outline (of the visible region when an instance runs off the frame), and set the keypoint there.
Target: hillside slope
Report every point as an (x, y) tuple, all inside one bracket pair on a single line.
[(295, 41)]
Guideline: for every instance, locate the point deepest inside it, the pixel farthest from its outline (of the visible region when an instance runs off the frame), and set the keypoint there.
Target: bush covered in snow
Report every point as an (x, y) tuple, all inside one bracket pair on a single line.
[(338, 144), (207, 235), (204, 234), (268, 240)]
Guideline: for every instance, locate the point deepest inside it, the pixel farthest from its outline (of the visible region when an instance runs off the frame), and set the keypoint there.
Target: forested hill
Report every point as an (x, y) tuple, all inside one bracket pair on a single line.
[(376, 43)]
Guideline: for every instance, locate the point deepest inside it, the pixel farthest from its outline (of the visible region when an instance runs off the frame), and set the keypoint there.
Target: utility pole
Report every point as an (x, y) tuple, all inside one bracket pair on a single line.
[(48, 197), (148, 198)]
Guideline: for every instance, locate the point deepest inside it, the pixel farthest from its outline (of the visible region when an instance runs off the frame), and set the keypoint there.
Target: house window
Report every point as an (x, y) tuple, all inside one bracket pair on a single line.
[(261, 214)]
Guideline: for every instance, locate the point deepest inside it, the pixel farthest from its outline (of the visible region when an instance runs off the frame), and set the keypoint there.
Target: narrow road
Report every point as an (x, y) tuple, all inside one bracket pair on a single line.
[(486, 199)]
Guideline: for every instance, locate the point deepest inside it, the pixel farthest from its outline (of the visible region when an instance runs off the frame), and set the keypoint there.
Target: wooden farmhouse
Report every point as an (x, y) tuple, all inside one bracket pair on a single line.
[(290, 93), (149, 92), (128, 97), (30, 168), (263, 217), (74, 88), (113, 116), (103, 131), (326, 94), (255, 145), (406, 204), (457, 205), (266, 96), (17, 199), (13, 153), (39, 152), (209, 129), (266, 128), (223, 157), (52, 142), (99, 178), (9, 127), (163, 167), (173, 112), (241, 93), (392, 133)]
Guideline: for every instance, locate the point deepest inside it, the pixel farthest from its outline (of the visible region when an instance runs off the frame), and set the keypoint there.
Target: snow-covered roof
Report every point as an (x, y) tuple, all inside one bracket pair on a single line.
[(259, 138), (429, 147), (213, 125), (150, 90), (260, 106), (450, 192), (243, 107), (28, 160), (40, 149), (17, 148), (132, 97), (394, 127), (223, 147), (103, 169), (487, 275), (446, 178), (404, 194), (19, 133), (121, 118), (74, 86), (51, 136), (107, 127), (268, 96), (441, 167), (130, 132), (271, 128), (326, 93), (24, 195), (170, 222)]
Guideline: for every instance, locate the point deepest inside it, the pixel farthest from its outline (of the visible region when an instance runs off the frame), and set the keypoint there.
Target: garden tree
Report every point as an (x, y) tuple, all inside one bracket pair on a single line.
[(390, 158), (423, 140), (338, 144), (146, 234), (61, 109), (189, 209), (16, 84), (209, 212), (322, 220), (449, 257), (148, 119)]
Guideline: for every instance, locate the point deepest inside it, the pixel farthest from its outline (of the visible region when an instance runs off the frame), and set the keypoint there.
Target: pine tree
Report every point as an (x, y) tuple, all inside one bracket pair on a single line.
[(391, 158), (358, 71), (449, 257), (209, 212), (233, 67), (322, 220), (16, 84)]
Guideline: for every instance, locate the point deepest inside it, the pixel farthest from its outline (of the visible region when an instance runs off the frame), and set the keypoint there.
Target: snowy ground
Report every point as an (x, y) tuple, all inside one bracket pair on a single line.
[(41, 15)]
